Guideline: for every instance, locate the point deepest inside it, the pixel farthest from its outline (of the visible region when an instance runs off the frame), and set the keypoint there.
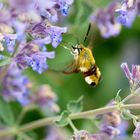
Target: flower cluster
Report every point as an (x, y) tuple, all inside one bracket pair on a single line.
[(26, 28), (46, 98), (106, 21), (16, 86), (109, 20), (109, 128), (128, 12), (111, 122), (133, 76), (136, 133), (83, 134)]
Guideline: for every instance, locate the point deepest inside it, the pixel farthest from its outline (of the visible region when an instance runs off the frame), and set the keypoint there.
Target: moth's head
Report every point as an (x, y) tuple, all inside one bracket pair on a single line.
[(75, 50)]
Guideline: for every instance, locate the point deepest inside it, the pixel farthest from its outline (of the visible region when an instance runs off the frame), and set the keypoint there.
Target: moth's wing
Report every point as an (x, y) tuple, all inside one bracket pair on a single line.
[(72, 68)]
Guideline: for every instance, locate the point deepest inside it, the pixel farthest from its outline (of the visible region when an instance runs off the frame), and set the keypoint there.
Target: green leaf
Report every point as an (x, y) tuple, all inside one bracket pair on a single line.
[(64, 119), (6, 114), (5, 61), (126, 115), (75, 106), (118, 97)]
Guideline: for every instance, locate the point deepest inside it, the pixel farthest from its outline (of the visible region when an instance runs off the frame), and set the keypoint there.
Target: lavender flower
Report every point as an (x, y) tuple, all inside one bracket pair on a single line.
[(110, 122), (100, 136), (106, 22), (22, 5), (55, 133), (136, 133), (110, 130), (41, 30), (112, 118), (16, 86), (52, 9), (46, 98), (10, 42), (127, 13), (64, 6), (133, 76), (31, 56), (82, 134), (85, 135)]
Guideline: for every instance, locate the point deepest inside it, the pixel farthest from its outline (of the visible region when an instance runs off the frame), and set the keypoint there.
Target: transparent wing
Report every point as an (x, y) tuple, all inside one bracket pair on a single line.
[(72, 68)]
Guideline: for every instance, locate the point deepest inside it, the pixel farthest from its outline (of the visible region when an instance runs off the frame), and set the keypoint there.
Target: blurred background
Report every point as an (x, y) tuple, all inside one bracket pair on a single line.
[(108, 53)]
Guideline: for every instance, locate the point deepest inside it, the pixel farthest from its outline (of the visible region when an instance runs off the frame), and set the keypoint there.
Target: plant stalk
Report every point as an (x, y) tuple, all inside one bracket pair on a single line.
[(48, 121)]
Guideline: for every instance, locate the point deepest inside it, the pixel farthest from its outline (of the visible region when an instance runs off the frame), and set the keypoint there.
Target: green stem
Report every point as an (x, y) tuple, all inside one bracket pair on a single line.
[(52, 120), (24, 136), (128, 97), (73, 126), (23, 113)]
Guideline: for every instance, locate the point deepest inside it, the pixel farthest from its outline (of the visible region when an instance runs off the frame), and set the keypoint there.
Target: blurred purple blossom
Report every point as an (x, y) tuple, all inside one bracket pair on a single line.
[(51, 33), (110, 130), (106, 22), (10, 40), (31, 56), (136, 133), (127, 12), (46, 98), (110, 122), (15, 85), (133, 76), (85, 135), (55, 133), (82, 134)]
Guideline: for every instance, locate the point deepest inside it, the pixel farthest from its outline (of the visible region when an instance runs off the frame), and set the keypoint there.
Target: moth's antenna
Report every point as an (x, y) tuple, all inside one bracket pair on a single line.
[(87, 32), (65, 47)]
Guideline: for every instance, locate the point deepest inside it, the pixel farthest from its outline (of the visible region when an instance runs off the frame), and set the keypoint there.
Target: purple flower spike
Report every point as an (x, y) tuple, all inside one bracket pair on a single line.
[(82, 134), (126, 16), (10, 42), (42, 42), (37, 61), (134, 71), (128, 12), (55, 34), (136, 133), (47, 32), (15, 86), (125, 68), (106, 22), (133, 76), (64, 6), (46, 98), (31, 56), (110, 130)]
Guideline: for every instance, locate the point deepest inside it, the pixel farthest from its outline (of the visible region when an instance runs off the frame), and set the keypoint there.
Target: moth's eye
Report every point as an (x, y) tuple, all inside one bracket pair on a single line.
[(75, 50)]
